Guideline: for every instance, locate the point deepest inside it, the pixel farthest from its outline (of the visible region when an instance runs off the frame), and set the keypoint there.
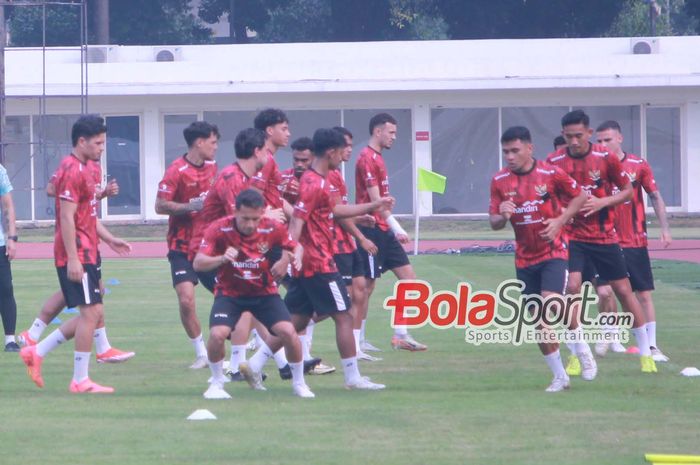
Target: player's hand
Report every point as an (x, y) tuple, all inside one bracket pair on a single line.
[(111, 189), (368, 246), (279, 269), (666, 238), (592, 205), (75, 270), (196, 204), (506, 209), (385, 203), (230, 255), (120, 246), (367, 221), (402, 238), (276, 214), (298, 257), (10, 249), (551, 230)]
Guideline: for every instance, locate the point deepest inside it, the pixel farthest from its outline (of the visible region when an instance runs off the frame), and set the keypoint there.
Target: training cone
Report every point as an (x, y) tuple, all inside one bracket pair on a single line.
[(202, 414), (632, 350), (70, 310), (113, 282), (56, 321)]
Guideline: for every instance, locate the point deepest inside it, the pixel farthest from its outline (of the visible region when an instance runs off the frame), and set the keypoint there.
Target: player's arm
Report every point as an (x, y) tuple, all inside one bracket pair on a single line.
[(118, 245), (169, 207), (204, 263), (9, 223), (594, 204), (50, 189), (74, 267), (348, 224), (554, 225), (110, 190), (500, 210), (399, 232), (345, 211), (657, 202)]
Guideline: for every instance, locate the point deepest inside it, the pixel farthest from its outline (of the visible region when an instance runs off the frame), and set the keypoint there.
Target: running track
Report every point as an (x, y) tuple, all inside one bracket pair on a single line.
[(685, 250)]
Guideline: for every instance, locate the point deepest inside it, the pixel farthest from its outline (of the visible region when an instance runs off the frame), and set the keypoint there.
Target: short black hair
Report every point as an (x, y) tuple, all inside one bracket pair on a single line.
[(199, 130), (343, 131), (269, 117), (609, 124), (575, 117), (87, 126), (559, 140), (250, 198), (303, 143), (379, 120), (327, 139), (247, 141), (516, 133)]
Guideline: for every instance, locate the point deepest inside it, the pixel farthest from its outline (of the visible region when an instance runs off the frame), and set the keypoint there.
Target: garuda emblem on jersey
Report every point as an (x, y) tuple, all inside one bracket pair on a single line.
[(595, 177), (632, 177), (541, 190), (263, 247)]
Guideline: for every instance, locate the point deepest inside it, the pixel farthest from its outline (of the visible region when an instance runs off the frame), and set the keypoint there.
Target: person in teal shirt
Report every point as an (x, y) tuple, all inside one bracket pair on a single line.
[(8, 241)]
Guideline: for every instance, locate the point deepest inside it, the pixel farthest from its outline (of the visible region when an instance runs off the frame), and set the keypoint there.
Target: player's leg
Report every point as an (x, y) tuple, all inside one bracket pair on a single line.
[(184, 279), (239, 341), (607, 305), (402, 340), (49, 310), (222, 319), (104, 352)]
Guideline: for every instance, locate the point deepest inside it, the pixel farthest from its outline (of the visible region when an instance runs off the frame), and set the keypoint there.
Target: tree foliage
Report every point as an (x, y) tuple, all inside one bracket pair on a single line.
[(673, 17)]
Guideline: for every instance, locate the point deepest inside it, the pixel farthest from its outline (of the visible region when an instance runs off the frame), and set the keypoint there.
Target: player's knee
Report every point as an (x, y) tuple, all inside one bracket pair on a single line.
[(219, 334)]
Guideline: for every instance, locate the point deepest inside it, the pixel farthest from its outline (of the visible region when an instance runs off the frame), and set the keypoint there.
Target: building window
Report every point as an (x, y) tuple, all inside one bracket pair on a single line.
[(544, 124), (664, 151), (465, 148), (124, 164), (18, 163), (174, 141)]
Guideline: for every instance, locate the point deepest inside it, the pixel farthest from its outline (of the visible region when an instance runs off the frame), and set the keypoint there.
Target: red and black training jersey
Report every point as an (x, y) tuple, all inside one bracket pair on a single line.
[(77, 185), (344, 242), (94, 167), (596, 172), (538, 195), (183, 182), (268, 180), (220, 202), (370, 171), (315, 207), (630, 217), (289, 188), (249, 275)]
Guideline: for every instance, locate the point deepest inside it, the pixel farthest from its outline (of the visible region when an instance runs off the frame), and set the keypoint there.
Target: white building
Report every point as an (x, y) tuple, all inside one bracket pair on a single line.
[(452, 100)]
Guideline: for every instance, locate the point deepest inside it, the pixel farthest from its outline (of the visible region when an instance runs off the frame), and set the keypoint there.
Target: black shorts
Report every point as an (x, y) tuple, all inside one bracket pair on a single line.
[(390, 255), (181, 268), (323, 294), (639, 268), (268, 310), (208, 279), (86, 292), (607, 259), (99, 266), (350, 265), (549, 275)]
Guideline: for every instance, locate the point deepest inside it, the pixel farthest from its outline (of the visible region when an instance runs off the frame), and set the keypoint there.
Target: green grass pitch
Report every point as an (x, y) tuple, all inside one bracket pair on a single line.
[(453, 404)]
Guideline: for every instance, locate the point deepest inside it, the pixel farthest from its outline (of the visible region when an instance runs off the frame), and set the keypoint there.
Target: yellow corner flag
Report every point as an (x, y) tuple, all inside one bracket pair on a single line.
[(431, 182)]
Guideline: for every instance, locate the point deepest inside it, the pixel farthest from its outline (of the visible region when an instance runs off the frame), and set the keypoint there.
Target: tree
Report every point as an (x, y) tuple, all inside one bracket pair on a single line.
[(671, 19), (131, 22)]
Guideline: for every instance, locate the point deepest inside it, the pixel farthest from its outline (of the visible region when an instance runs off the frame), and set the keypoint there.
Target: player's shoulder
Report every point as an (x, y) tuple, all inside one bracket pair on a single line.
[(634, 159), (503, 173), (601, 151), (269, 226), (223, 224), (557, 156)]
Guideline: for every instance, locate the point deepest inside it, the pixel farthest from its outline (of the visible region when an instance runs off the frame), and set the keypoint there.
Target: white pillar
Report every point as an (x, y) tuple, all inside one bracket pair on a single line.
[(691, 167), (153, 168), (422, 156)]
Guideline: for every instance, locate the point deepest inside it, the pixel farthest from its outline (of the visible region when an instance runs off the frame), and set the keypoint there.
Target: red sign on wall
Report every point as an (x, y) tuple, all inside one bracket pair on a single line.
[(422, 135)]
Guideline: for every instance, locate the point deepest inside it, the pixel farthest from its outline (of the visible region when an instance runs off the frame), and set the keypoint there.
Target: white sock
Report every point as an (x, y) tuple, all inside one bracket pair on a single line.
[(350, 370), (640, 334), (101, 341), (258, 340), (297, 372), (50, 342), (651, 333), (400, 331), (260, 358), (200, 350), (555, 364), (356, 333), (217, 371), (9, 338), (237, 356), (310, 331), (36, 329), (280, 359), (579, 342), (305, 344), (362, 330), (81, 362)]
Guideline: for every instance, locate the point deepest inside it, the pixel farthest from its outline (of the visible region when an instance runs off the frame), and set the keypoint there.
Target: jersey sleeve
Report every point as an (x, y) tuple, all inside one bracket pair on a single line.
[(70, 186), (647, 178), (565, 185), (496, 199), (211, 244), (5, 184), (283, 238), (168, 185), (368, 173), (615, 173)]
